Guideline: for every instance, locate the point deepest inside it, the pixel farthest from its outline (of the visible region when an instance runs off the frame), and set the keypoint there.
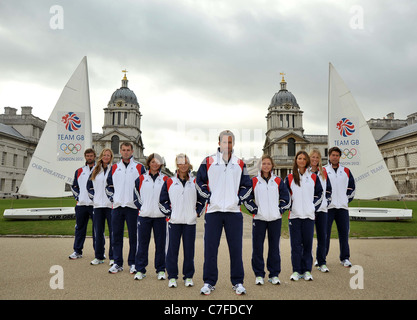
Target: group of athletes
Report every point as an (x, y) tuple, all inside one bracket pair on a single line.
[(149, 201)]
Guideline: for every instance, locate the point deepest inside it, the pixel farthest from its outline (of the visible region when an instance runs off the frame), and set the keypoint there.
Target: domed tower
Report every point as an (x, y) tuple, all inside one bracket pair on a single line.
[(285, 133), (122, 122)]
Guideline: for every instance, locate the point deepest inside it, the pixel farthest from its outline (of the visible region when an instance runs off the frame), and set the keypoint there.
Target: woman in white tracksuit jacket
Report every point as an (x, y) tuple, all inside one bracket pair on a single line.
[(179, 203), (306, 196), (321, 213), (272, 198), (146, 197), (96, 187)]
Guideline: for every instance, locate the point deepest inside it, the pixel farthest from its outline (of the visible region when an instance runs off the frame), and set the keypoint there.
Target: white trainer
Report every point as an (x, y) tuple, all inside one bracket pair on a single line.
[(188, 282), (259, 281), (96, 262), (132, 269), (139, 276), (346, 263), (172, 283), (323, 268), (161, 275), (75, 255), (207, 289), (274, 280), (307, 276), (115, 269), (296, 276), (239, 289)]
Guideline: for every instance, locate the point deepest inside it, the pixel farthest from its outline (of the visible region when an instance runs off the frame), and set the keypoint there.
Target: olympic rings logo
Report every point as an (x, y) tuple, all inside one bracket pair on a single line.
[(346, 153), (70, 148)]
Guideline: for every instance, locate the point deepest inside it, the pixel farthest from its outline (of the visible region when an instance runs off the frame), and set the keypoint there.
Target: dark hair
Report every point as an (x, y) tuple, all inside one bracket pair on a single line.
[(295, 173), (126, 144), (335, 149), (151, 157), (90, 150)]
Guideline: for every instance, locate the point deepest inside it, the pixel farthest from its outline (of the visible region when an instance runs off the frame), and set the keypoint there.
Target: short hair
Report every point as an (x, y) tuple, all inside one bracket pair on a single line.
[(90, 150), (151, 157), (126, 144), (227, 133), (335, 149)]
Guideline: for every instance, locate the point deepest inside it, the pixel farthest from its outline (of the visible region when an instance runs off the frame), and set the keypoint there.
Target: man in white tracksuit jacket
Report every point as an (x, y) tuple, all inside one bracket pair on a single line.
[(119, 189), (343, 191), (223, 181), (84, 207)]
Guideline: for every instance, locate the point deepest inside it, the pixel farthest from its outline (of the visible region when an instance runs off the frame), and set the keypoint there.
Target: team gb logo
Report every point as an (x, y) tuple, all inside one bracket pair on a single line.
[(345, 127), (72, 121)]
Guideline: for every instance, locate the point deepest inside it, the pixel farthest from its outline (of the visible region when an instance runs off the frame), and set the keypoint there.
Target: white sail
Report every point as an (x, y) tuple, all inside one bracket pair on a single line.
[(349, 131), (67, 134)]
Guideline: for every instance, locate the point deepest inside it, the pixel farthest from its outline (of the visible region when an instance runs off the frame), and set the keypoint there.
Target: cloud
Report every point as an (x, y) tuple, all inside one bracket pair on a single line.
[(210, 65)]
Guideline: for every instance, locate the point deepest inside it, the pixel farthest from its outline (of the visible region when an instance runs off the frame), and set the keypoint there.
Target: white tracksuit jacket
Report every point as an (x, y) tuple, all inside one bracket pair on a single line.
[(146, 194), (97, 189), (306, 197), (272, 197), (79, 186), (179, 202), (343, 186), (121, 182)]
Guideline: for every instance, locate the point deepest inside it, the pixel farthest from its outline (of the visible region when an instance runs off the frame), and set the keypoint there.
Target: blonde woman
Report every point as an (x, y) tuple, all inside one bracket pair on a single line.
[(179, 203), (102, 206), (321, 214)]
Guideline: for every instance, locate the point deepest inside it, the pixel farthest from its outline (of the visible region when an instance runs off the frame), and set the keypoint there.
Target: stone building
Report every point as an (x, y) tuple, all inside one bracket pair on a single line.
[(122, 119), (285, 133), (19, 135)]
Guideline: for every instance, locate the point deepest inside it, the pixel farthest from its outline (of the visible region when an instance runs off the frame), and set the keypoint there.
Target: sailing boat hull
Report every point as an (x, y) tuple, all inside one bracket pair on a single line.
[(61, 213), (379, 214)]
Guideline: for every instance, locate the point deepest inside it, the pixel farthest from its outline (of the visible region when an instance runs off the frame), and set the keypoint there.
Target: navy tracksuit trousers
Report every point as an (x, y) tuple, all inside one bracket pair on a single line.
[(273, 262), (145, 225), (341, 216), (175, 232), (301, 238), (101, 215), (118, 217), (233, 226), (321, 233), (82, 215)]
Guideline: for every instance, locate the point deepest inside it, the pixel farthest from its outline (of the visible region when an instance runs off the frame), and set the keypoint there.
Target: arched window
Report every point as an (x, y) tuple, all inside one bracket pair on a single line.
[(291, 147), (115, 144)]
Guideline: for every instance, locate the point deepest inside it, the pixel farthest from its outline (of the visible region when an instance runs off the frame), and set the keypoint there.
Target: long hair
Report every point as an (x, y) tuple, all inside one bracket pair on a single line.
[(266, 156), (295, 172), (320, 165), (157, 157), (99, 164)]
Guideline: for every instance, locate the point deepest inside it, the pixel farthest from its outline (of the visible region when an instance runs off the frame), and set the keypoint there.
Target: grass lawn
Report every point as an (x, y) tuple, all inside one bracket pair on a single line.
[(407, 228)]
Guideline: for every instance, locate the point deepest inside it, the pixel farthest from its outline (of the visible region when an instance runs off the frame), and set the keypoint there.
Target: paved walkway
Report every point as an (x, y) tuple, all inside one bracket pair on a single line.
[(387, 266)]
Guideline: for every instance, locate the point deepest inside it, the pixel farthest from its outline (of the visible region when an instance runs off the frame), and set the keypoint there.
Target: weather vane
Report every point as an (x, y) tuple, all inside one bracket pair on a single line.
[(125, 73), (282, 74)]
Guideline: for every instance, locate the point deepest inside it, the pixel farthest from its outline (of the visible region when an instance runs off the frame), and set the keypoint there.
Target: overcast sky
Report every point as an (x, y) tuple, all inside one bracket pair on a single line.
[(198, 67)]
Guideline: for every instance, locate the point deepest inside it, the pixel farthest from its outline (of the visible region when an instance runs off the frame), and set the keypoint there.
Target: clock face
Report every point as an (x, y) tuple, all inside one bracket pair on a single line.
[(287, 106), (119, 104)]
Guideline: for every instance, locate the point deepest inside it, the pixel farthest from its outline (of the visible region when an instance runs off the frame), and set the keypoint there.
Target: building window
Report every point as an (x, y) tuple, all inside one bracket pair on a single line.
[(3, 158), (291, 147), (115, 144)]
